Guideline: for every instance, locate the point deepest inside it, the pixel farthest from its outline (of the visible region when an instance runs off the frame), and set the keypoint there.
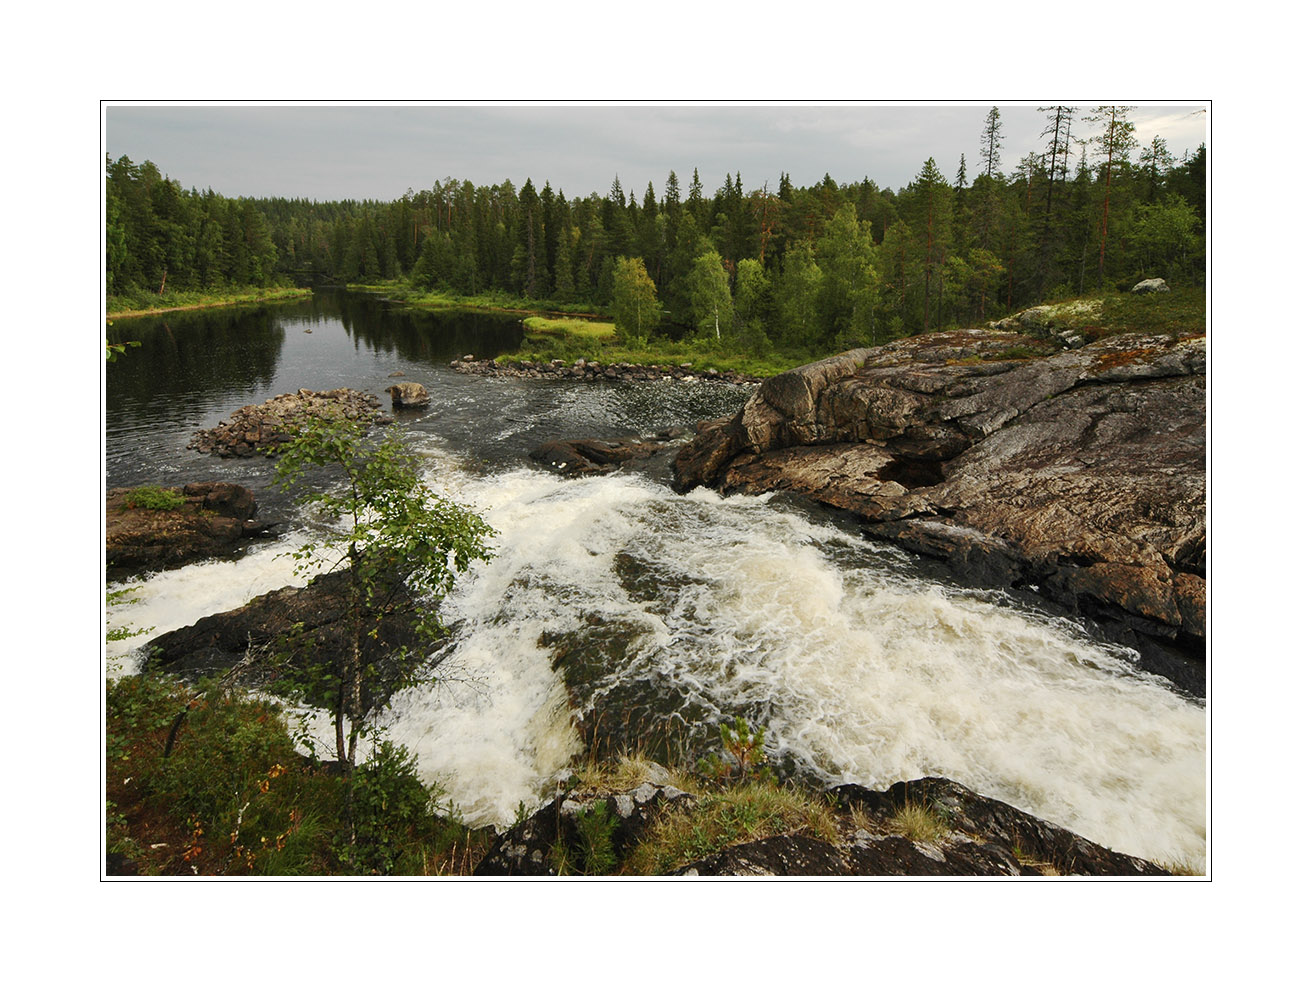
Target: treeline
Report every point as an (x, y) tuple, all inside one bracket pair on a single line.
[(812, 267)]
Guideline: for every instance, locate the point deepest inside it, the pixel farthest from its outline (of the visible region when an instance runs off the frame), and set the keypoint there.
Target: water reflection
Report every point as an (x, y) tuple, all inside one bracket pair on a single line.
[(193, 352)]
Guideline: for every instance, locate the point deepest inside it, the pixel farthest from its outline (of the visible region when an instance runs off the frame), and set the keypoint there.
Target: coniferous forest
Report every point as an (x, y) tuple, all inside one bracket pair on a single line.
[(816, 268)]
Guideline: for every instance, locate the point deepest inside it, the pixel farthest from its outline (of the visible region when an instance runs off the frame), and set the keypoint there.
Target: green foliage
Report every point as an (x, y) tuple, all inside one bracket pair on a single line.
[(744, 750), (811, 269), (1181, 311), (390, 804), (708, 293), (403, 547), (739, 813), (595, 854), (112, 351), (214, 774), (919, 821), (633, 301), (154, 498), (120, 598)]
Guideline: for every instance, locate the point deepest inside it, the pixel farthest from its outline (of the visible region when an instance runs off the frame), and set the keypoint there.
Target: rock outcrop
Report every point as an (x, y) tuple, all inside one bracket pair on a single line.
[(214, 520), (1081, 473), (287, 630), (970, 835), (253, 429)]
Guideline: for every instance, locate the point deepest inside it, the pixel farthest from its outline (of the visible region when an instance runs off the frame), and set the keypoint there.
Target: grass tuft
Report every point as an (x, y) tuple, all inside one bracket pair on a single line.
[(919, 821), (742, 813)]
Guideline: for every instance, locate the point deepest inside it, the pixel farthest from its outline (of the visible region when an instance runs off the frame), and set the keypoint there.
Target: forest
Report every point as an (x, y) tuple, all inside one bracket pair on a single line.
[(817, 268)]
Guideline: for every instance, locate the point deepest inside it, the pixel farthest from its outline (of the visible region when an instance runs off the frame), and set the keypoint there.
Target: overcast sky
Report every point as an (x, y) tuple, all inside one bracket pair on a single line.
[(333, 152)]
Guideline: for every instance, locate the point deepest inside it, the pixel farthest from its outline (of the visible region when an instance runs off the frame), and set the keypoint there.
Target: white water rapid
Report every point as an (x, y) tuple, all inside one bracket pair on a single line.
[(861, 671)]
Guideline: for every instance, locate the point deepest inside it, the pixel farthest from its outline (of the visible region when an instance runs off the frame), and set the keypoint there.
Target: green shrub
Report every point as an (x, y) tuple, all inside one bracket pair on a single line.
[(597, 830), (392, 807), (155, 498)]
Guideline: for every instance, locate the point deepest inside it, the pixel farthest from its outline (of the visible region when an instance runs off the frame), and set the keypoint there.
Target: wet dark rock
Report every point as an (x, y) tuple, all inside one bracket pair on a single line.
[(216, 519), (551, 838), (1082, 473), (289, 630), (582, 458), (984, 837), (977, 836), (780, 855)]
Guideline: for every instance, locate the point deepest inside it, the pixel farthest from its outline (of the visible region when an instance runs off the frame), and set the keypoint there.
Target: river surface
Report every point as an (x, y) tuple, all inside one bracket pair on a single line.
[(641, 618)]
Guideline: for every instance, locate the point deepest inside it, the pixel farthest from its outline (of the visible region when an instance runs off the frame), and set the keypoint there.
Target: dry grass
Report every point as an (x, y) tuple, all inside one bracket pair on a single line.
[(720, 819), (918, 821)]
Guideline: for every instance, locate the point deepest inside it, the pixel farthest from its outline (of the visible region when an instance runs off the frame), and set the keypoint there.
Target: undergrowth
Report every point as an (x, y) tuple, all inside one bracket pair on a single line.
[(202, 781)]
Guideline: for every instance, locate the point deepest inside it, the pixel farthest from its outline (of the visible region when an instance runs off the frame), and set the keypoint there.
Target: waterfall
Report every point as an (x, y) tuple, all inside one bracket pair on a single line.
[(692, 608)]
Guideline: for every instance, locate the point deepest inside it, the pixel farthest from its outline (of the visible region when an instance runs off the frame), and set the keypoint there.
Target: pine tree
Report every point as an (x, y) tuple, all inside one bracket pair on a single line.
[(1115, 140), (990, 144)]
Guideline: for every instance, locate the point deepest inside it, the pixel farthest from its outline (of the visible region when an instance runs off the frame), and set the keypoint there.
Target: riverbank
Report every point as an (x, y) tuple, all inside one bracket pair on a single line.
[(281, 814), (196, 300), (569, 332)]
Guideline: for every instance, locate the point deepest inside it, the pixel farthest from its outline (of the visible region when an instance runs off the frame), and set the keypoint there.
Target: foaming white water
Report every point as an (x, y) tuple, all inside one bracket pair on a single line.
[(165, 601), (859, 671), (868, 674)]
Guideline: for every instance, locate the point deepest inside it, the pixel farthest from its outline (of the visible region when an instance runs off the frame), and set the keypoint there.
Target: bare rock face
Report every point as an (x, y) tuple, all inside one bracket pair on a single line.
[(1082, 473), (408, 395), (213, 521)]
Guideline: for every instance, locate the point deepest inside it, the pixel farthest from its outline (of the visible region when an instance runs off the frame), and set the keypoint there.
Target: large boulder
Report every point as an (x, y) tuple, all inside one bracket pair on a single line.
[(1082, 473), (408, 395), (1154, 285), (214, 520)]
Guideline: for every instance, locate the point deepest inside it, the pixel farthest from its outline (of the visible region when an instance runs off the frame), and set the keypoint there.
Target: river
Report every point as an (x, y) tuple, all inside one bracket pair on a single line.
[(641, 617)]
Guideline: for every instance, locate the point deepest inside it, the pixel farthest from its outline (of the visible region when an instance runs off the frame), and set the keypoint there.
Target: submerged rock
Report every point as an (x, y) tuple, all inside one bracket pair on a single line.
[(213, 520), (581, 458), (1082, 473)]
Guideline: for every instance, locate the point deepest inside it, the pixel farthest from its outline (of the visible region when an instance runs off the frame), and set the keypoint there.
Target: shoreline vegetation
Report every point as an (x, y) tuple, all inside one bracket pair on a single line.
[(568, 332), (572, 331), (139, 304)]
